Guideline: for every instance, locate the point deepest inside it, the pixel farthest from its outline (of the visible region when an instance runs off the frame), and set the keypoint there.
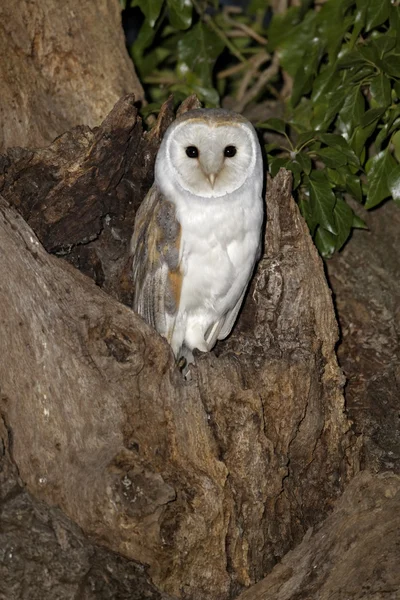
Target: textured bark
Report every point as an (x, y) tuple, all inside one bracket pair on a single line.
[(208, 482), (365, 278), (353, 555), (61, 66), (45, 556)]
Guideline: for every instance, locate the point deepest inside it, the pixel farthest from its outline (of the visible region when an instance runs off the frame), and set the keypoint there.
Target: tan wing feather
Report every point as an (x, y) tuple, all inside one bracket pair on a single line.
[(156, 270)]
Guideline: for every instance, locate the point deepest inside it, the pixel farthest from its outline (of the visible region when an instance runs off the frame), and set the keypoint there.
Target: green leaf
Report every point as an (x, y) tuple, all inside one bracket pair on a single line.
[(377, 13), (306, 73), (325, 242), (371, 55), (337, 141), (273, 124), (336, 177), (150, 8), (381, 91), (396, 145), (358, 223), (306, 211), (297, 170), (392, 124), (344, 221), (394, 183), (384, 44), (272, 146), (180, 13), (332, 157), (275, 163), (305, 137), (304, 161), (300, 117), (281, 25), (372, 115), (361, 135), (327, 108), (352, 111), (149, 109), (198, 50), (359, 22), (322, 200), (350, 58), (327, 80), (353, 186), (143, 41), (379, 169), (391, 65)]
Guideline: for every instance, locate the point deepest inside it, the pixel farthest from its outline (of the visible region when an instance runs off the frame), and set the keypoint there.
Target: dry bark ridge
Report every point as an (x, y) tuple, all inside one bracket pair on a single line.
[(207, 482), (353, 555), (365, 277), (61, 66)]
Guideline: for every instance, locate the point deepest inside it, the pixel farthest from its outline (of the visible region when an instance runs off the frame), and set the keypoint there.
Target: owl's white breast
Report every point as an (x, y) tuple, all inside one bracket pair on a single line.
[(219, 244)]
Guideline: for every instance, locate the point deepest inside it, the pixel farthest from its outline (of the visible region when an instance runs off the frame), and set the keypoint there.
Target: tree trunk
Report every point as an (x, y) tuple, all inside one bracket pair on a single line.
[(353, 555), (208, 482), (365, 278), (62, 65)]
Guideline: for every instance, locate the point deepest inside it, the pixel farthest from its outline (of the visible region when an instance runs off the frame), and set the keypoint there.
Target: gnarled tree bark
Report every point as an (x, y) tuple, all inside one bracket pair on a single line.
[(207, 482), (61, 66)]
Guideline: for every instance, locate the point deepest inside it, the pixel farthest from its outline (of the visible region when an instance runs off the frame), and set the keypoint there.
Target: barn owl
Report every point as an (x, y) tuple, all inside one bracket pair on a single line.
[(197, 234)]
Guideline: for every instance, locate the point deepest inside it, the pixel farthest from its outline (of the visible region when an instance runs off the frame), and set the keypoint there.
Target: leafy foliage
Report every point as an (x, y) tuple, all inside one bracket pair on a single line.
[(333, 71)]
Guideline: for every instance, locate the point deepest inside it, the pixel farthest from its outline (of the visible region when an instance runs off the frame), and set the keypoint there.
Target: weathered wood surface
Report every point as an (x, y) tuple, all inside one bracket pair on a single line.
[(208, 482), (60, 67), (354, 554), (365, 278)]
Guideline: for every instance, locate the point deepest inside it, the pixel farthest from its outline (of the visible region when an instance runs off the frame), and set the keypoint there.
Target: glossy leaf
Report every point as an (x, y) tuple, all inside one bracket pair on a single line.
[(394, 183), (150, 8), (275, 163), (378, 11), (325, 242), (198, 50), (384, 44), (344, 221), (338, 142), (273, 124), (380, 90), (180, 13), (379, 169), (391, 65), (353, 186), (332, 157), (304, 161), (352, 111), (322, 200), (396, 145), (358, 223), (307, 212)]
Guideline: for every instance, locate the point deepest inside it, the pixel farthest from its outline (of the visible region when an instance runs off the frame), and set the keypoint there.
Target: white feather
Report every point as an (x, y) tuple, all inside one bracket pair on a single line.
[(221, 231)]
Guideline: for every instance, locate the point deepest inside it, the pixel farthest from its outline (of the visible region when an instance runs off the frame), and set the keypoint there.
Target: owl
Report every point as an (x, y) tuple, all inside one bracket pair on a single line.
[(197, 234)]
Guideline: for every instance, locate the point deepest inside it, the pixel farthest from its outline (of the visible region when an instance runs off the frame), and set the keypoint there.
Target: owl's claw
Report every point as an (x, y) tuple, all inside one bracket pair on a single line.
[(181, 363)]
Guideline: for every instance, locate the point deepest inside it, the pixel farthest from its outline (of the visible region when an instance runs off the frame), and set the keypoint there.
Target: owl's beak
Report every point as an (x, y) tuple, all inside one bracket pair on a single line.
[(211, 178)]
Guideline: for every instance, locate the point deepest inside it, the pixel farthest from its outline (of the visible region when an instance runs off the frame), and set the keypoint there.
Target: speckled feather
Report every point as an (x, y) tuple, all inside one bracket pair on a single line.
[(155, 247)]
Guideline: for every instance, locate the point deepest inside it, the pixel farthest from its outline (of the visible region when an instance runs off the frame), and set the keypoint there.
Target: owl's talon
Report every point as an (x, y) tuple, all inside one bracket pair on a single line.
[(181, 363)]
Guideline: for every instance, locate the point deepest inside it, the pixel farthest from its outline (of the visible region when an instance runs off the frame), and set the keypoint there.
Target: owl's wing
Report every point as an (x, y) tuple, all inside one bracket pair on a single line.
[(156, 270)]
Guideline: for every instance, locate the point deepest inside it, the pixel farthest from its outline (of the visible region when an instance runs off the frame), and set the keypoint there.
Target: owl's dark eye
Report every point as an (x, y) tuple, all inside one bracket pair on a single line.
[(192, 152), (230, 151)]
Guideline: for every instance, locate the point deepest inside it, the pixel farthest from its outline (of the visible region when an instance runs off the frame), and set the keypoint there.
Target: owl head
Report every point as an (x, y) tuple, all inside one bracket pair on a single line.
[(208, 153)]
